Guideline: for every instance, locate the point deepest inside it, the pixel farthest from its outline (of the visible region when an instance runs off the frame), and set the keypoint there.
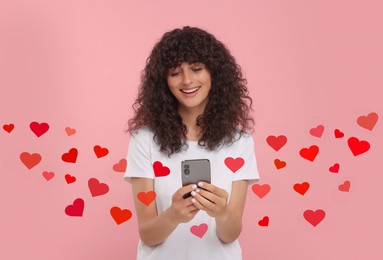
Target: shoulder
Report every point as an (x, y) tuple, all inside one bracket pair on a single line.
[(243, 138)]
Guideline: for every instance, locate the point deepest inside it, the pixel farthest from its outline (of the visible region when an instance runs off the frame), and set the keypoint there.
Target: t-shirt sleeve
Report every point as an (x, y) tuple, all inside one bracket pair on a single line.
[(139, 158), (249, 170)]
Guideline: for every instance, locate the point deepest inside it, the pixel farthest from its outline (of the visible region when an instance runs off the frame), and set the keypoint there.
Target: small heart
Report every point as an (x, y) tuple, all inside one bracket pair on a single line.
[(69, 178), (120, 166), (334, 168), (30, 160), (9, 127), (301, 188), (48, 175), (120, 215), (100, 151), (76, 209), (345, 186), (234, 164), (276, 142), (71, 156), (160, 170), (314, 217), (358, 147), (96, 188), (317, 131), (70, 131), (264, 222), (146, 197), (309, 153), (369, 121), (338, 133), (200, 230), (261, 190), (279, 164), (39, 128)]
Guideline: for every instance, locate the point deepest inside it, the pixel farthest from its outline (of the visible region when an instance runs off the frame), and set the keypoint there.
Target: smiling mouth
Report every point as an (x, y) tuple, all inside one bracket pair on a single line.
[(189, 91)]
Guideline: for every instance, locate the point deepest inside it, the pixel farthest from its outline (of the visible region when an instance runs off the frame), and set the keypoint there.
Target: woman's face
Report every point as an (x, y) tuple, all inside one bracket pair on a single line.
[(190, 84)]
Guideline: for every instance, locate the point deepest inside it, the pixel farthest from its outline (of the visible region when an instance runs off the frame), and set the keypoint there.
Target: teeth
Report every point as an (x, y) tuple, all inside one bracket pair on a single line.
[(189, 90)]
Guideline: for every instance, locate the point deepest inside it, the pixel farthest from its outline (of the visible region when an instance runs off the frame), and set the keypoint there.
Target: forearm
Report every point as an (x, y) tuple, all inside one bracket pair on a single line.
[(228, 227), (156, 230)]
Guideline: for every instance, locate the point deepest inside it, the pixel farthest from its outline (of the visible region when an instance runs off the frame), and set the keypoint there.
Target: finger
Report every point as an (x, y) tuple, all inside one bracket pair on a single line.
[(197, 204), (205, 203), (212, 188), (208, 195), (183, 190)]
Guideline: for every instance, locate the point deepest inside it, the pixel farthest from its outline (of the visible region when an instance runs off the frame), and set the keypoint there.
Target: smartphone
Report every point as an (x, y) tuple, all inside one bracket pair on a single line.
[(194, 171)]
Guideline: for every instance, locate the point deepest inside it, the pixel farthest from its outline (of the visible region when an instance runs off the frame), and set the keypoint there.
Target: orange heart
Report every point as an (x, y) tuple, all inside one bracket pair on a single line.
[(279, 164), (301, 188), (369, 121), (120, 166), (9, 127), (146, 197), (100, 151), (70, 131), (261, 190), (120, 215), (30, 160)]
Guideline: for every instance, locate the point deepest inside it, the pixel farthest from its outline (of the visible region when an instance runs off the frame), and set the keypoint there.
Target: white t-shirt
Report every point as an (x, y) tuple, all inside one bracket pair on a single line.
[(196, 239)]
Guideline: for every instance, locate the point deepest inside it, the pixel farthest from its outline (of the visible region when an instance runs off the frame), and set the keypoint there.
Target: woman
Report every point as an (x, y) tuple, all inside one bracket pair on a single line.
[(192, 104)]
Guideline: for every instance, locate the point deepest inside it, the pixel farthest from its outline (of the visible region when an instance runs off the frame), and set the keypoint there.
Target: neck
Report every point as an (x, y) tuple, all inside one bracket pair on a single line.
[(189, 118)]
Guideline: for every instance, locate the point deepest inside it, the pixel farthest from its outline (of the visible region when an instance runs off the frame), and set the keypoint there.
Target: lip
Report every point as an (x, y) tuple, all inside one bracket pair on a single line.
[(192, 93)]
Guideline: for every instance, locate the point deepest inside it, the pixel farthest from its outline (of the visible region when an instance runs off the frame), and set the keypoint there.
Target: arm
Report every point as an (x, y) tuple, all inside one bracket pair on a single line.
[(154, 228), (228, 216)]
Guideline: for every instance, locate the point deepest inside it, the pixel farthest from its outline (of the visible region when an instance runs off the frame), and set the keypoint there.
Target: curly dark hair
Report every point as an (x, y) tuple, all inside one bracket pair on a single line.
[(229, 103)]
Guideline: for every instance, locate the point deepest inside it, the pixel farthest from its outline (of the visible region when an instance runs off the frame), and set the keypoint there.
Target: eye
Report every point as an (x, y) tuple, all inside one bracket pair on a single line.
[(173, 74)]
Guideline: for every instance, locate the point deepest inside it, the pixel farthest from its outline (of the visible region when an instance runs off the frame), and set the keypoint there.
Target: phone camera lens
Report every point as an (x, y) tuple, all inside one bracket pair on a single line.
[(186, 166), (186, 171)]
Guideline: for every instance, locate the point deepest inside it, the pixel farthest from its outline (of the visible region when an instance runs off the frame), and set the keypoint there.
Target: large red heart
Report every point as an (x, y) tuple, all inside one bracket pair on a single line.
[(264, 222), (120, 166), (309, 153), (314, 217), (146, 197), (30, 160), (276, 142), (261, 190), (120, 215), (368, 121), (96, 188), (301, 188), (234, 164), (317, 131), (358, 147), (160, 170), (70, 156), (76, 209), (9, 127), (200, 230), (39, 128), (279, 164), (100, 151)]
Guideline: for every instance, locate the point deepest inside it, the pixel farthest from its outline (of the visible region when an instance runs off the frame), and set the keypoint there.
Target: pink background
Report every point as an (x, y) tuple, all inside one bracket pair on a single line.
[(77, 64)]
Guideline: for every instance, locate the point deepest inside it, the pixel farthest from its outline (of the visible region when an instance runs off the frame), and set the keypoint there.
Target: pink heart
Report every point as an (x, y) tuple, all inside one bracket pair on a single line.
[(261, 190), (200, 230), (48, 175), (317, 131)]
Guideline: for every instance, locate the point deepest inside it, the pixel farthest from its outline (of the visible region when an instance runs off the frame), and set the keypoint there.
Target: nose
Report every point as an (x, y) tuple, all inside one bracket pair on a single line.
[(187, 78)]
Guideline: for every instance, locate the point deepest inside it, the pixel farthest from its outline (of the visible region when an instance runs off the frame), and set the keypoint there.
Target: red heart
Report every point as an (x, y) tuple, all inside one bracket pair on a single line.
[(368, 121), (301, 188), (338, 133), (279, 164), (69, 178), (99, 151), (261, 190), (160, 170), (314, 217), (264, 222), (70, 131), (309, 153), (345, 186), (70, 156), (76, 209), (48, 175), (30, 160), (234, 164), (9, 127), (199, 231), (334, 168), (39, 128), (96, 188), (120, 215), (120, 166), (146, 197), (317, 131), (276, 142), (358, 147)]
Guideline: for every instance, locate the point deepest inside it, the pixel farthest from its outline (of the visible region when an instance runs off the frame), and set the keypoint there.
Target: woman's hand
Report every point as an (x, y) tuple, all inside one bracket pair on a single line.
[(211, 199), (183, 210)]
